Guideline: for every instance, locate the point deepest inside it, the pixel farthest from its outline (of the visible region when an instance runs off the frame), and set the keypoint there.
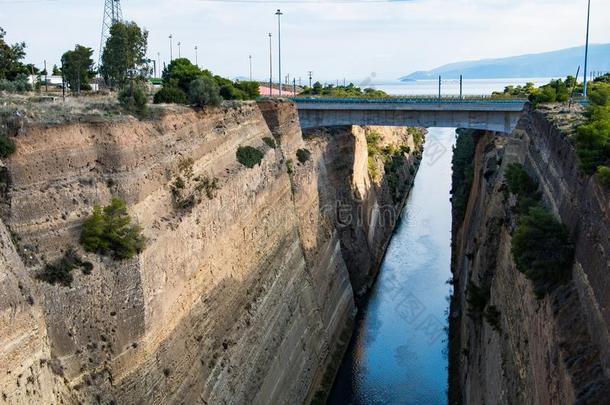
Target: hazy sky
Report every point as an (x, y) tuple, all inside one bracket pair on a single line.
[(335, 39)]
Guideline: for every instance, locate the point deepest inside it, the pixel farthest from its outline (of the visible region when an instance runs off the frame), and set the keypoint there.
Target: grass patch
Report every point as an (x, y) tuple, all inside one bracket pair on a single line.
[(249, 156), (109, 231), (60, 272)]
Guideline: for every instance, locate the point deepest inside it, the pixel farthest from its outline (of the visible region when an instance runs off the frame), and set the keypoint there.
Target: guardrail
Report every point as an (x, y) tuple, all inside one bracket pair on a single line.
[(409, 100)]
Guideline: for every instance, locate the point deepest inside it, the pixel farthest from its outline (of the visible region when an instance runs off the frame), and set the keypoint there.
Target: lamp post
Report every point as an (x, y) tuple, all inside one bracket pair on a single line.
[(171, 48), (270, 66), (158, 62), (250, 57), (179, 54), (279, 48), (587, 49), (196, 57)]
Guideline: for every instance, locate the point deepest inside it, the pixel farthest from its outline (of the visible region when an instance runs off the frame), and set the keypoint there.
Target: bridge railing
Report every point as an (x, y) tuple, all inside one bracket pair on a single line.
[(411, 100)]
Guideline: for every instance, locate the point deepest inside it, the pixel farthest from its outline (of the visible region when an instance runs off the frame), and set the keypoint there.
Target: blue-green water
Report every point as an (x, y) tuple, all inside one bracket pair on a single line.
[(398, 351)]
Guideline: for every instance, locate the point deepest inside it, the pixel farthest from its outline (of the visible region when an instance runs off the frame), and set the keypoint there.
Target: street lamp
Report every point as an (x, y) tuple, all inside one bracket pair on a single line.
[(179, 54), (279, 49), (270, 66), (587, 48), (171, 50), (250, 57), (196, 57), (158, 62)]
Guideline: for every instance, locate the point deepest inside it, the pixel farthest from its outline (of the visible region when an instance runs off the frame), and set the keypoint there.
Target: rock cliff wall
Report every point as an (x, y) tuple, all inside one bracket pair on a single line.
[(238, 298), (553, 350)]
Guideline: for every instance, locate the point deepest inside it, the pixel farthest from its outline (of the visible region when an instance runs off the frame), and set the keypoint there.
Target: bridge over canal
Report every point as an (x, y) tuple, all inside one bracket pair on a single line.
[(486, 114)]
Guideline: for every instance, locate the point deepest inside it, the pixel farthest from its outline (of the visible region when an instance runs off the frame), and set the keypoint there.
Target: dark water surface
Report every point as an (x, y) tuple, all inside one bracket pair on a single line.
[(397, 354)]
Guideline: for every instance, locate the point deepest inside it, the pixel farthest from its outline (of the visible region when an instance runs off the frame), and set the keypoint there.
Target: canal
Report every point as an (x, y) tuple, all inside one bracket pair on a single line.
[(398, 351)]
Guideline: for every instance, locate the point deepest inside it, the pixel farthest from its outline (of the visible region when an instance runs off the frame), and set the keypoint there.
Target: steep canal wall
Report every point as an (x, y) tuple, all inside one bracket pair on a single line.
[(517, 347)]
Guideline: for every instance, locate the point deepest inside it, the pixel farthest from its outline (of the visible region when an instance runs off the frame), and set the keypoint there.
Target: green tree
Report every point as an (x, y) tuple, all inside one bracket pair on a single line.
[(181, 72), (56, 71), (124, 56), (110, 231), (10, 59), (78, 68), (204, 91)]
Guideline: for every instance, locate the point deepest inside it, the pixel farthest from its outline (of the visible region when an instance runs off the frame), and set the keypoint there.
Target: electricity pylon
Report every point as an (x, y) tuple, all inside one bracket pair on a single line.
[(112, 15)]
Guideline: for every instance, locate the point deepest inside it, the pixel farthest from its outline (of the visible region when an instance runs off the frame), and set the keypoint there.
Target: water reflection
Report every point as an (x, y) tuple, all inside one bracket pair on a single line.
[(397, 353)]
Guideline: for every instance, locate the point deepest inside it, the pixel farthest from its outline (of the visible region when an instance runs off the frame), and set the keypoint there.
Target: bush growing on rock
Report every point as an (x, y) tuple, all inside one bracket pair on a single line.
[(134, 98), (60, 272), (249, 156), (170, 95), (270, 142), (204, 91), (110, 231), (541, 245), (604, 175), (542, 250), (7, 146), (303, 155)]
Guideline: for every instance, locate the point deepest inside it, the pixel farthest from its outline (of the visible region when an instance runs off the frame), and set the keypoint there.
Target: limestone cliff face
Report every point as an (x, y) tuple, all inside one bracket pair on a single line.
[(553, 350), (239, 298)]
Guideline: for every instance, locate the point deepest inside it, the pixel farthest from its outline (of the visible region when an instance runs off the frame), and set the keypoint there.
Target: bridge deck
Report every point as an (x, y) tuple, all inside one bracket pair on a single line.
[(409, 104)]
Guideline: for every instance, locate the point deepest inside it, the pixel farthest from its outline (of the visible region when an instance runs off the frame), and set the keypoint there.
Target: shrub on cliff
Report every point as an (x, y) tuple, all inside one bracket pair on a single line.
[(303, 155), (110, 231), (270, 142), (542, 250), (170, 95), (463, 170), (60, 272), (133, 98), (204, 91), (7, 146), (523, 186), (604, 175), (249, 156)]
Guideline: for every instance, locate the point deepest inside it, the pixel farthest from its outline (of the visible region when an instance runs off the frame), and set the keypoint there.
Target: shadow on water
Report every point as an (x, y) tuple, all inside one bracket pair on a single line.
[(397, 353)]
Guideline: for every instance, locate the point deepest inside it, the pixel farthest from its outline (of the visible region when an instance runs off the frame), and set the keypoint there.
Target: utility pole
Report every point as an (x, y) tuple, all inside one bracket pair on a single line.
[(158, 63), (179, 53), (46, 77), (279, 49), (587, 48), (196, 56), (250, 57), (294, 87), (310, 73), (270, 66), (171, 48), (439, 88), (461, 87)]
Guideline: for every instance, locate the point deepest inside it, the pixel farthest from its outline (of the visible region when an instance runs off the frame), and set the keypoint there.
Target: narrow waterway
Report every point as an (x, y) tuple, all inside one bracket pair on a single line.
[(398, 352)]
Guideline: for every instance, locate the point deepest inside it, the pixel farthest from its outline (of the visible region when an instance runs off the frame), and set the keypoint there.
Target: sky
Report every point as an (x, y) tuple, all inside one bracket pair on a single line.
[(358, 40)]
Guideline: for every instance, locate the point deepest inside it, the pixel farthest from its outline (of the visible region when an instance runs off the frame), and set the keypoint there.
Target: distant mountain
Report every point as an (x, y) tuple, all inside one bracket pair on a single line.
[(549, 64)]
